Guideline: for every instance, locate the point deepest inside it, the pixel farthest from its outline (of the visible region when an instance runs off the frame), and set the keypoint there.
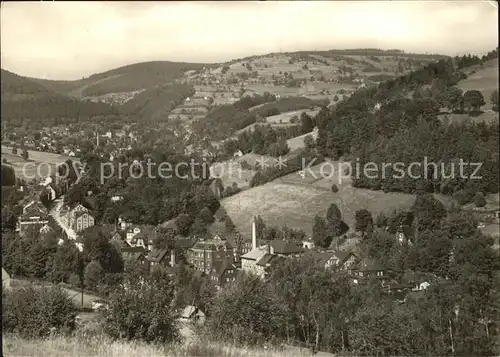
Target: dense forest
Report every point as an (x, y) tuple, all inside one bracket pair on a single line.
[(155, 103), (123, 79), (24, 99), (222, 121), (471, 60)]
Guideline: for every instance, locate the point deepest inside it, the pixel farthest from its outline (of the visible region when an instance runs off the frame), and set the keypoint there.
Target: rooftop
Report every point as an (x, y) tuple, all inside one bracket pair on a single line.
[(255, 254)]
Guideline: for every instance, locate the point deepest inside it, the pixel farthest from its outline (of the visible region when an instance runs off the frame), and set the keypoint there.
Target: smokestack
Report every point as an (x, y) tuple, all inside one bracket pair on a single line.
[(254, 235), (172, 258)]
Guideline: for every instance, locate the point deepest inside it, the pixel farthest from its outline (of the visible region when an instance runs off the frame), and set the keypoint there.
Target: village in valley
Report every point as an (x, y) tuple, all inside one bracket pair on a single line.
[(260, 241)]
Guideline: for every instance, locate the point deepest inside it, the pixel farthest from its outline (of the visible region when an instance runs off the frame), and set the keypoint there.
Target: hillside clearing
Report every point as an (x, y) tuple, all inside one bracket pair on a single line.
[(298, 141), (287, 116), (294, 201), (40, 164)]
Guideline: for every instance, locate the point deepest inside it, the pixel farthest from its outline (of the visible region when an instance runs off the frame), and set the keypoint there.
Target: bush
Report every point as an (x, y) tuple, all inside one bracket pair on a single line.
[(261, 316), (142, 309), (335, 188), (34, 312)]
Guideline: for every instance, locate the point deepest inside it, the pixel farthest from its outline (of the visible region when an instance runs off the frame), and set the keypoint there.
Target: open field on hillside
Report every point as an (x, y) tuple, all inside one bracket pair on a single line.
[(484, 80), (294, 200), (39, 164)]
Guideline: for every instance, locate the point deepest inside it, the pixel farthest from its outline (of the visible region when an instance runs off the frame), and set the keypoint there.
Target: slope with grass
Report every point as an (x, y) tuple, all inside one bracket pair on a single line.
[(298, 141), (294, 200)]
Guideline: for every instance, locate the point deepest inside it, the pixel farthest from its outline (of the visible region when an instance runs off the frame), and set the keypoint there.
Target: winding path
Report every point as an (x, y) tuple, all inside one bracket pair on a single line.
[(56, 213)]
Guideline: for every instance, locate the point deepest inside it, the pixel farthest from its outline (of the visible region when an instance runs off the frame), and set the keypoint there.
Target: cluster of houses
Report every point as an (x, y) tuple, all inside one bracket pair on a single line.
[(53, 139), (222, 257)]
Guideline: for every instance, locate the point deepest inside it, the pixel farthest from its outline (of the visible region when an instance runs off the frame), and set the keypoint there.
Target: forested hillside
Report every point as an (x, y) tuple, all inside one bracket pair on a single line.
[(398, 122), (25, 99), (123, 79)]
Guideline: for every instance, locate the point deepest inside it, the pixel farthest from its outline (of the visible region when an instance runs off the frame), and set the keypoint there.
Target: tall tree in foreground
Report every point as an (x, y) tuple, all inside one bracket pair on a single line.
[(247, 313)]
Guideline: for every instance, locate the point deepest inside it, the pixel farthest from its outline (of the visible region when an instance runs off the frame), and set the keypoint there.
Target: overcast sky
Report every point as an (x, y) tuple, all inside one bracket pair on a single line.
[(69, 40)]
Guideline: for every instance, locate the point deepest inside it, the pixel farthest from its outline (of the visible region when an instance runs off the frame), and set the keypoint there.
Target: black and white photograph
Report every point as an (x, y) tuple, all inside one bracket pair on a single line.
[(250, 178)]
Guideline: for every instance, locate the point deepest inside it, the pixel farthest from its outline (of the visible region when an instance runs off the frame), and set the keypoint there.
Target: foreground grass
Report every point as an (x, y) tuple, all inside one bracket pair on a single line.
[(60, 346)]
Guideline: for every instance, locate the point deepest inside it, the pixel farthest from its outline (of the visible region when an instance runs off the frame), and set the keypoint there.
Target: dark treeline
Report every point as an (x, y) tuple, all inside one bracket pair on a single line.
[(62, 110), (471, 60), (222, 121)]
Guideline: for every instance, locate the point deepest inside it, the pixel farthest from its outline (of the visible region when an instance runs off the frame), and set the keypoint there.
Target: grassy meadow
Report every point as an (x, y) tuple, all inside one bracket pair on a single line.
[(294, 200), (40, 163)]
